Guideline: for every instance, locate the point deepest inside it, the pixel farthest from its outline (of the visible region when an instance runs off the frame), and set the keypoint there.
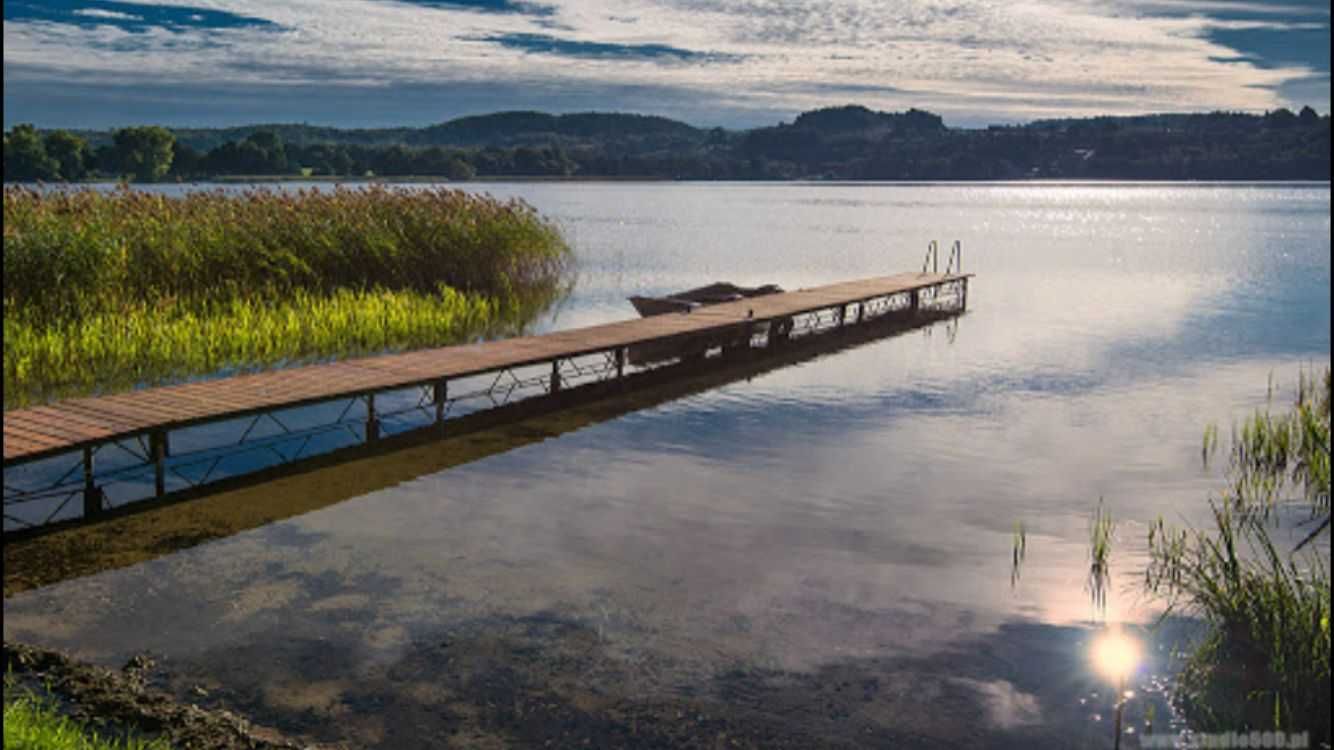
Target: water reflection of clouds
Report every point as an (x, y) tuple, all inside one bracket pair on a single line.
[(1008, 707), (928, 495)]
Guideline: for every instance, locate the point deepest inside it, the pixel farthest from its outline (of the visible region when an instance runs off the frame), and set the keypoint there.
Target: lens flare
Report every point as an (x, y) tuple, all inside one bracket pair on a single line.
[(1115, 655)]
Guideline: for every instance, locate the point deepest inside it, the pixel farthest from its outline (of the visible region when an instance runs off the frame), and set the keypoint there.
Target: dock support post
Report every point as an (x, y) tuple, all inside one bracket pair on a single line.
[(861, 308), (620, 361), (157, 446), (963, 294), (555, 376), (914, 300), (372, 421), (738, 341), (92, 497), (439, 396)]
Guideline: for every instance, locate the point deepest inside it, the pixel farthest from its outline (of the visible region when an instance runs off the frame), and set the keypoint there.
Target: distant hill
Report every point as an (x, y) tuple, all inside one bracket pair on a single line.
[(507, 128), (498, 129), (843, 142), (855, 117)]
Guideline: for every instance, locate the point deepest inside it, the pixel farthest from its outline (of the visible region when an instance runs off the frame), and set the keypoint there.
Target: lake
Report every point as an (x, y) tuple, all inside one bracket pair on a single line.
[(821, 552)]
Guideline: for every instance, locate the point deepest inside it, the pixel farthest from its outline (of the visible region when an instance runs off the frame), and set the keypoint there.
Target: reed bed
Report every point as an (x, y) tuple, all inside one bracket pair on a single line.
[(106, 290)]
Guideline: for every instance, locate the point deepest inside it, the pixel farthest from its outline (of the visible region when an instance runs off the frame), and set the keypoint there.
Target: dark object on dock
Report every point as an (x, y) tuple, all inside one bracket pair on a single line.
[(705, 295)]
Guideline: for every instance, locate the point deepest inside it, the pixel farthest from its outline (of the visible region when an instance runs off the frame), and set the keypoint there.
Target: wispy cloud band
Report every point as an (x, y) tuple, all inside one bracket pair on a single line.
[(975, 62)]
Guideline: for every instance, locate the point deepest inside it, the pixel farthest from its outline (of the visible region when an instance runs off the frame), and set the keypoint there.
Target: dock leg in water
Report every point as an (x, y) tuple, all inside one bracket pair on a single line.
[(157, 445), (372, 421), (440, 396), (92, 496)]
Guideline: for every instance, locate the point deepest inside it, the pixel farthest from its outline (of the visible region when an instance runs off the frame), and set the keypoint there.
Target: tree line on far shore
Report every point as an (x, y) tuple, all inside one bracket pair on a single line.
[(850, 142), (152, 154)]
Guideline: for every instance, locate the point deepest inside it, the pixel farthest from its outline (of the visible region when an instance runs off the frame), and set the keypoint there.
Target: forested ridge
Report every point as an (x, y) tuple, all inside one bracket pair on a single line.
[(849, 142)]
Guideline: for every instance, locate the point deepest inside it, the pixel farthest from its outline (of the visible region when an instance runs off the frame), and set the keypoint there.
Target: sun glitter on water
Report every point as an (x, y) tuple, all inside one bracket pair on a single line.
[(1116, 655)]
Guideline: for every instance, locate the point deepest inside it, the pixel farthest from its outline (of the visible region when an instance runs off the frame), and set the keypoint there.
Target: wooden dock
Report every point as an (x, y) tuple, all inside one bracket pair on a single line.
[(84, 424)]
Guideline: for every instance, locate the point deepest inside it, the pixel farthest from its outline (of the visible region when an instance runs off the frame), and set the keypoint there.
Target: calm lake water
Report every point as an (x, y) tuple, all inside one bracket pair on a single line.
[(825, 547)]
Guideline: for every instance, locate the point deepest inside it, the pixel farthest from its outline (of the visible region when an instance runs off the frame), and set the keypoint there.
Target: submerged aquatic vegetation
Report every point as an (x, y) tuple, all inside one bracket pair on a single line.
[(111, 289)]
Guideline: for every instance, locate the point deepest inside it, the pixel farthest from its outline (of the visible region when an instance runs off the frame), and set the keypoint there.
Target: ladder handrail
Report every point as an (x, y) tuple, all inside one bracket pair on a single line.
[(952, 263), (955, 261), (932, 254)]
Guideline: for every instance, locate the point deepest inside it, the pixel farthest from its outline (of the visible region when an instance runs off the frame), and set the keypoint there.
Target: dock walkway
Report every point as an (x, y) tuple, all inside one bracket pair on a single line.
[(83, 424)]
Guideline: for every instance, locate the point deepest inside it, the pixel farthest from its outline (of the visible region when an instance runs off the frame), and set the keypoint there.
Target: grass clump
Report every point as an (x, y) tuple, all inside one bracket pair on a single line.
[(1264, 662), (106, 290), (32, 723), (1101, 529)]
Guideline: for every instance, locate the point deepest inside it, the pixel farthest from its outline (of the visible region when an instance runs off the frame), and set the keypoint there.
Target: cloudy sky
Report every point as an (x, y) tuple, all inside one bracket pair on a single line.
[(101, 63)]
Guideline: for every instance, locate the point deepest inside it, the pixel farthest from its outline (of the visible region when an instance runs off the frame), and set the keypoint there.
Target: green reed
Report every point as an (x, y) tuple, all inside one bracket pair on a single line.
[(108, 290), (1264, 662), (1101, 529), (111, 352), (69, 254)]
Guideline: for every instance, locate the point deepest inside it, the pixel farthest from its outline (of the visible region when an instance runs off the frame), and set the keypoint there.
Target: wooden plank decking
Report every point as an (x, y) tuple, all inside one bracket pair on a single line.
[(68, 425)]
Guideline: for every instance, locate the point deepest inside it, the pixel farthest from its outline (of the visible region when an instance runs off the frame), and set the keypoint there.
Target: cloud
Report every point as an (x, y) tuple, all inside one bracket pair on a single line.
[(108, 14), (549, 45), (1230, 8), (973, 62), (486, 6)]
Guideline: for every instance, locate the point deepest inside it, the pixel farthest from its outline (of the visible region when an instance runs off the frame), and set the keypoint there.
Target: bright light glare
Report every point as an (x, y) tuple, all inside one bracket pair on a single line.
[(1115, 655)]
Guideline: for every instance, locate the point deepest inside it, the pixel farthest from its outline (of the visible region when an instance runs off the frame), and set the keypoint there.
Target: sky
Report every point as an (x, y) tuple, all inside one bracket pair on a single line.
[(730, 63)]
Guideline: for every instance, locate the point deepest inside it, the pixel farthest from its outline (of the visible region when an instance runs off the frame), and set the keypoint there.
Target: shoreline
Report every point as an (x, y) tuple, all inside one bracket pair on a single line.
[(126, 703)]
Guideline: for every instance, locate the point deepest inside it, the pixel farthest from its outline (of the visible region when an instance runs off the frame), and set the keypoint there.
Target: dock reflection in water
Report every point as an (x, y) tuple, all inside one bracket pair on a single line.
[(268, 494)]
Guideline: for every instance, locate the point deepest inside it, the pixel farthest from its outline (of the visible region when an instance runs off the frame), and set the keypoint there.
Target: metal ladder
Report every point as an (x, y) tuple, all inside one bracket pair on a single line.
[(953, 263)]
